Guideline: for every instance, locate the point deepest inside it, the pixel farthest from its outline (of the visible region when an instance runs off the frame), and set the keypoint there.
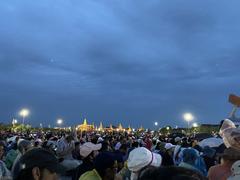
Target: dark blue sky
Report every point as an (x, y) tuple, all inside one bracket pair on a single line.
[(133, 62)]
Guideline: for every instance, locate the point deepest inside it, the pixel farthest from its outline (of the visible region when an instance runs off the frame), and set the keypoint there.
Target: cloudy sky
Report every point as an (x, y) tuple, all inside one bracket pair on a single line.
[(134, 62)]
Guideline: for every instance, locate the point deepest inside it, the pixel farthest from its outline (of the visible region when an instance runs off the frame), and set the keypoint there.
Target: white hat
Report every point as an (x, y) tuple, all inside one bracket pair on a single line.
[(38, 140), (88, 147), (177, 139), (168, 146), (100, 139), (142, 157)]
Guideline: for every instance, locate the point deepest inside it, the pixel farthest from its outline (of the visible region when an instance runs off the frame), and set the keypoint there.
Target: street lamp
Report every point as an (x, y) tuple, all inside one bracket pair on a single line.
[(14, 121), (24, 113), (195, 125), (188, 117), (59, 122), (168, 128), (156, 123)]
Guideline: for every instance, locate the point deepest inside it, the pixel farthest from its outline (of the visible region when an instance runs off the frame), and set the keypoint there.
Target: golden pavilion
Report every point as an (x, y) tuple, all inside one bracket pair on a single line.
[(85, 126)]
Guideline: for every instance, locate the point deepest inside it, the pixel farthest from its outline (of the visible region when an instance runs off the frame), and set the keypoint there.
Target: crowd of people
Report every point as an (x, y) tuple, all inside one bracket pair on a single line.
[(119, 156)]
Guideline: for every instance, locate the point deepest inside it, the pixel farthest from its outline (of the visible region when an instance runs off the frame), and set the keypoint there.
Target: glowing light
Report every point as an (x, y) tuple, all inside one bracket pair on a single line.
[(188, 117), (167, 128), (59, 121), (24, 112), (195, 125), (156, 123), (14, 121)]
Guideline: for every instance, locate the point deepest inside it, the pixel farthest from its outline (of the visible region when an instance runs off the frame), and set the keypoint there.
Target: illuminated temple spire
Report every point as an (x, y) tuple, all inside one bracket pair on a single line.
[(85, 122), (100, 126), (129, 128), (120, 127)]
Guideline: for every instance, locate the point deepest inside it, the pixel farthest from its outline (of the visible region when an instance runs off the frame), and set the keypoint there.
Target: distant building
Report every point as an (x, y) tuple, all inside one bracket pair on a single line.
[(141, 128), (85, 126)]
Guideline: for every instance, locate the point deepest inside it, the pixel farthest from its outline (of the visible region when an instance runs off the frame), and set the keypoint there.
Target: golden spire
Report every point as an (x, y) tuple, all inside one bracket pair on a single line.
[(129, 128), (101, 126), (141, 128), (120, 127), (85, 121)]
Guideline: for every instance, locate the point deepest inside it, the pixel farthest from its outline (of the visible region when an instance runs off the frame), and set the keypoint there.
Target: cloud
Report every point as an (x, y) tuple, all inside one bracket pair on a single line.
[(118, 60)]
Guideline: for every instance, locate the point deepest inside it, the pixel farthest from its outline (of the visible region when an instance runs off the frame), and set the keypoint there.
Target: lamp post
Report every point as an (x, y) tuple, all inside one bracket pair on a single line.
[(59, 122), (14, 121), (156, 124), (195, 125), (24, 113), (188, 117)]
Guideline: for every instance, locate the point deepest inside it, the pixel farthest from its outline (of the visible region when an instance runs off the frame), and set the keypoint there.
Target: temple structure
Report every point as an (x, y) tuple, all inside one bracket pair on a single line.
[(91, 127), (85, 126)]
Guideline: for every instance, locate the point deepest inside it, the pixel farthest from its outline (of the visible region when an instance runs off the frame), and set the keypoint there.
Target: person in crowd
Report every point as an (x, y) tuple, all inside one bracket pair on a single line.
[(88, 152), (177, 140), (121, 155), (148, 142), (154, 144), (189, 160), (167, 155), (99, 140), (105, 146), (140, 159), (119, 143), (50, 146), (38, 143), (4, 172), (65, 146), (135, 144), (230, 134), (11, 155), (223, 170), (23, 146), (171, 173), (200, 163), (177, 155), (105, 167), (209, 157), (76, 151), (37, 164)]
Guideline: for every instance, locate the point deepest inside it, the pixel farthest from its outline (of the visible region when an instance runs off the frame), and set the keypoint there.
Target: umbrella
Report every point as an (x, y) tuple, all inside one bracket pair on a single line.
[(211, 142)]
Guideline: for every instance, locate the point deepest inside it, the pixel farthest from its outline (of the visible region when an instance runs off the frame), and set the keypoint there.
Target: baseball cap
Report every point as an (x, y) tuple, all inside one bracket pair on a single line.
[(88, 147), (38, 157), (168, 146), (142, 157), (177, 139)]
